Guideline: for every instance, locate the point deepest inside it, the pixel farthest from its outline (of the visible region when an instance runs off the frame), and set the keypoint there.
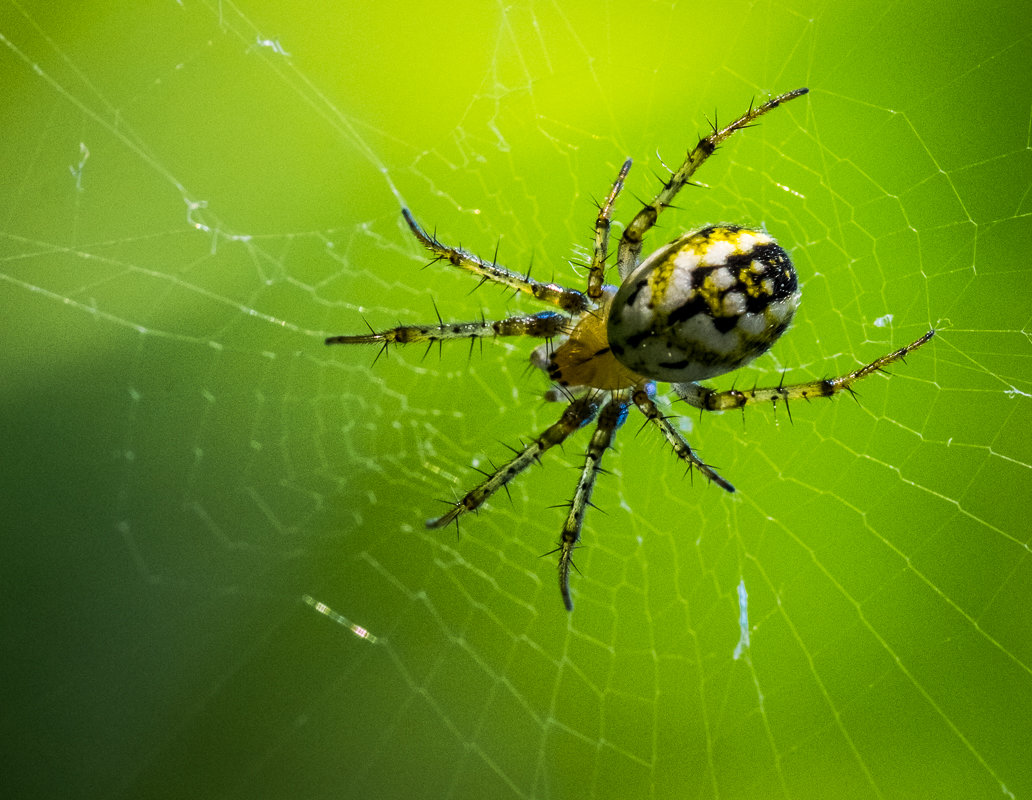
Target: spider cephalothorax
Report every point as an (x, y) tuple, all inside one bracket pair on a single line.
[(703, 305)]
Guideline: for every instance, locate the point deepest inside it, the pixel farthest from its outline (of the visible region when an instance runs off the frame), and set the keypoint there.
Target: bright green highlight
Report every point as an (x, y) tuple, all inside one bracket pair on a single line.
[(196, 194)]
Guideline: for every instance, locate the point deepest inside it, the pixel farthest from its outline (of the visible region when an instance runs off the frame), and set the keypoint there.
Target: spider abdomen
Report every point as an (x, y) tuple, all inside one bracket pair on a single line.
[(703, 305)]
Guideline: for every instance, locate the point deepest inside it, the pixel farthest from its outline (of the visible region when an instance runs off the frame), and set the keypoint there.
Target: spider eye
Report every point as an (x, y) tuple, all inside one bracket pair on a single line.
[(703, 305)]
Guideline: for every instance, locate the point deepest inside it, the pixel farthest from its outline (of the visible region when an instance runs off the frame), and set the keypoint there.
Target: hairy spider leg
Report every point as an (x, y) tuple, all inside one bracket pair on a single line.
[(630, 243), (611, 417), (542, 325), (674, 438), (713, 400), (576, 415), (596, 274), (569, 300)]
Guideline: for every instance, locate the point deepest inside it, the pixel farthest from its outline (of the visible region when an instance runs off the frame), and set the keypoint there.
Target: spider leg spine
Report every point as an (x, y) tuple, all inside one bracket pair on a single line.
[(541, 325), (713, 400), (680, 445), (610, 419), (630, 245), (551, 293), (603, 222), (575, 416), (569, 503)]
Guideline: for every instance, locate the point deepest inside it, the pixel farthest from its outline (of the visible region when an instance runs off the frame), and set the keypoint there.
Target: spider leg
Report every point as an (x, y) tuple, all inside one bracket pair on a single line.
[(577, 414), (552, 293), (673, 436), (612, 417), (630, 242), (596, 275), (712, 400), (543, 325)]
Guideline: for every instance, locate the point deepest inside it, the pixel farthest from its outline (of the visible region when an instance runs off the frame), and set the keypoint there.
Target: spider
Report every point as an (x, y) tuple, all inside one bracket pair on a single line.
[(700, 306)]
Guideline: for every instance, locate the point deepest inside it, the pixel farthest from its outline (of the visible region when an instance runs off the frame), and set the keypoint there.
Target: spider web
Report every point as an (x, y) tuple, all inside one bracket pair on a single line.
[(217, 580)]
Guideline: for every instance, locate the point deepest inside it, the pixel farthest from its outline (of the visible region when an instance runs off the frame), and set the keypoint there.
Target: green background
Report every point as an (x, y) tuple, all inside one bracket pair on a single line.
[(196, 193)]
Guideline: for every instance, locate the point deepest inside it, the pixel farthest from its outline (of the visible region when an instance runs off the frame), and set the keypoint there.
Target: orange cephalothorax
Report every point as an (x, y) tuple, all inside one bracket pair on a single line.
[(585, 358)]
